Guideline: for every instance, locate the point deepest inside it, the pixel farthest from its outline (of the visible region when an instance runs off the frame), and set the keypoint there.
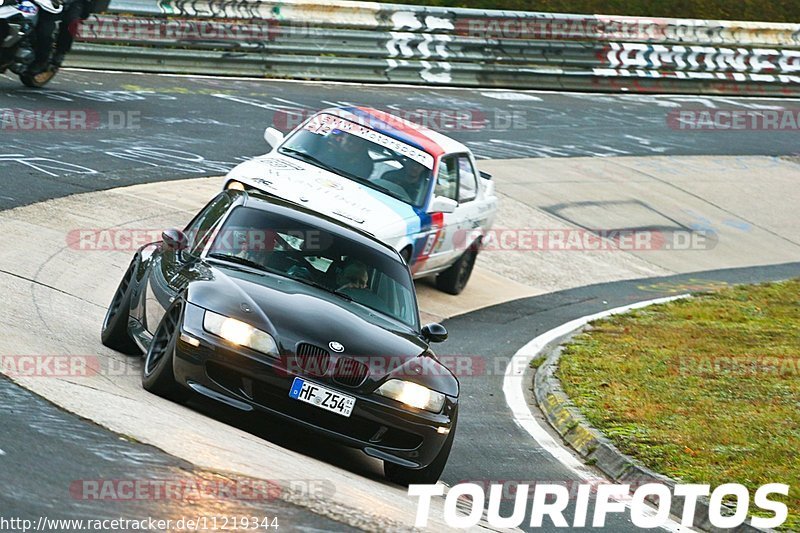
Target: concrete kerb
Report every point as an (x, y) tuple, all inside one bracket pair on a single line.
[(594, 447)]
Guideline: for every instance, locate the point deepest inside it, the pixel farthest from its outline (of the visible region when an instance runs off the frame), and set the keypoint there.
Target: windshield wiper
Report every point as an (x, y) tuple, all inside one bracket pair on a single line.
[(373, 185), (324, 288), (239, 260), (305, 156)]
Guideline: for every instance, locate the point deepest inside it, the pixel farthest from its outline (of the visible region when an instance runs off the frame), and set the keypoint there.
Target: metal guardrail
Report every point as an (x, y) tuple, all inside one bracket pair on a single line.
[(373, 42)]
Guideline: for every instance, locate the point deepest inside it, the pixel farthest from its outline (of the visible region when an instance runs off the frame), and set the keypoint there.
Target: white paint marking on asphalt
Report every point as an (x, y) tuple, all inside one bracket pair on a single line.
[(290, 102), (511, 96), (514, 390), (573, 94), (250, 101)]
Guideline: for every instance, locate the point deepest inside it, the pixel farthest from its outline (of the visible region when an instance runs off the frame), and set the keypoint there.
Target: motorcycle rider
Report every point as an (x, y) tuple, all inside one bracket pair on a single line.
[(69, 17)]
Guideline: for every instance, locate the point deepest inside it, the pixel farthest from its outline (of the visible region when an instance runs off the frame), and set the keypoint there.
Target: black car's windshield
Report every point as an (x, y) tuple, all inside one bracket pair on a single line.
[(285, 246), (362, 154)]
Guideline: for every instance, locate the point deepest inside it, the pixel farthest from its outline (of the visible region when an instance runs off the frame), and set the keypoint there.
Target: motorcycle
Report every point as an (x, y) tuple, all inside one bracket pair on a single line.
[(18, 19)]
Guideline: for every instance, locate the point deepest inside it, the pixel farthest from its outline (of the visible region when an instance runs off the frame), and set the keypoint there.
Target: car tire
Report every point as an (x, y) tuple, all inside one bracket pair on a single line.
[(454, 279), (39, 80), (158, 376), (422, 476), (115, 333)]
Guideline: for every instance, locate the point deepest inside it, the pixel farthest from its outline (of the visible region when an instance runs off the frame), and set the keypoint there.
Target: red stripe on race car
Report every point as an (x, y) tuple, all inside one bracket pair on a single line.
[(404, 128), (437, 224)]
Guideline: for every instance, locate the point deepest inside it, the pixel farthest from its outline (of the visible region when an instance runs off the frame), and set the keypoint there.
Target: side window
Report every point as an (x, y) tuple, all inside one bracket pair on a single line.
[(199, 230), (447, 178), (467, 183), (399, 302)]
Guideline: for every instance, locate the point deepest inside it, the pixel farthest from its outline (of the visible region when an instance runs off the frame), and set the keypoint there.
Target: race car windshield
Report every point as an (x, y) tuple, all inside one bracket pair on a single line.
[(363, 155), (287, 247)]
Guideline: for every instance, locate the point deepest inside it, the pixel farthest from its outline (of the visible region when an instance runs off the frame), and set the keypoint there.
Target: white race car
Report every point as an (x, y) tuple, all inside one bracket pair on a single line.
[(412, 188)]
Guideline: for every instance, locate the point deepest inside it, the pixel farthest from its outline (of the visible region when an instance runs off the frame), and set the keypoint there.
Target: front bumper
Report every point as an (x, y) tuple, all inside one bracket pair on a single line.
[(246, 379)]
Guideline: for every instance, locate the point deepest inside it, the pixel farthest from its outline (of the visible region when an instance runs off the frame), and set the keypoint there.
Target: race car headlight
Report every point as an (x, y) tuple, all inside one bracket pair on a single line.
[(412, 394), (240, 333)]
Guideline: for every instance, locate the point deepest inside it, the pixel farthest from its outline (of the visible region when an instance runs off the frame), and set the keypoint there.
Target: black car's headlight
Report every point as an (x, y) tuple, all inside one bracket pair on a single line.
[(240, 333), (412, 394)]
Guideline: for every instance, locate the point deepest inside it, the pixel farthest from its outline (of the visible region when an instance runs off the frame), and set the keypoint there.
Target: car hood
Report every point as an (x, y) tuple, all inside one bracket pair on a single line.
[(325, 192), (293, 312)]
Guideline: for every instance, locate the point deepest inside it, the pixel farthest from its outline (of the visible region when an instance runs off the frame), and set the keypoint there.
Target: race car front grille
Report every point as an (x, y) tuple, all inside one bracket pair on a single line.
[(273, 394), (349, 372), (312, 359)]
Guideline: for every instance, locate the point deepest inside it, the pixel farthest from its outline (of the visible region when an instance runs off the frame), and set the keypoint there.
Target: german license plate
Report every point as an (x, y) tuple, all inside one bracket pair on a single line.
[(322, 397)]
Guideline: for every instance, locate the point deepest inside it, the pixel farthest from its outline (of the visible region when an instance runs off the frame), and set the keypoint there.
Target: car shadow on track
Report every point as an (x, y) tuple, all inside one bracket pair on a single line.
[(287, 435)]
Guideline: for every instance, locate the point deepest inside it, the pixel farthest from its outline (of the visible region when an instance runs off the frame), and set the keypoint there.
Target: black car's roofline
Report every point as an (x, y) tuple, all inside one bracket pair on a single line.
[(259, 200)]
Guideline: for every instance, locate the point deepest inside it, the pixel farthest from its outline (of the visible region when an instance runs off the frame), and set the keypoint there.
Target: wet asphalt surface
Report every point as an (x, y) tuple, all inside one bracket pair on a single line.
[(146, 128)]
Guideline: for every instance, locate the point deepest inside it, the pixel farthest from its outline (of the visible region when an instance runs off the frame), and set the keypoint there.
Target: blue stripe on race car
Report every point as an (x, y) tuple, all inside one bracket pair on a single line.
[(425, 222), (408, 213), (416, 219)]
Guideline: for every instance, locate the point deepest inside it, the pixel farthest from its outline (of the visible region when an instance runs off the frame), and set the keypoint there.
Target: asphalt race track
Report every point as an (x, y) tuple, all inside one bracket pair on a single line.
[(188, 127), (144, 128), (52, 449)]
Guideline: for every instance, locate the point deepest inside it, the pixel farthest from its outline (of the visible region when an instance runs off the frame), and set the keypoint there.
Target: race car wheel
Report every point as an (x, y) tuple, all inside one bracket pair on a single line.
[(423, 476), (454, 279), (158, 376), (115, 325), (37, 81)]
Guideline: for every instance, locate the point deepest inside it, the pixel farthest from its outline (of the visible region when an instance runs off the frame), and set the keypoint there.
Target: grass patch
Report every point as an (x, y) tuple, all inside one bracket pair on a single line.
[(537, 361), (704, 390)]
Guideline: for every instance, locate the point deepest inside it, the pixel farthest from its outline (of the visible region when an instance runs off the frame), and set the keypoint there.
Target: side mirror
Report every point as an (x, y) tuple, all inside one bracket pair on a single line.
[(174, 239), (434, 332), (273, 137), (441, 204)]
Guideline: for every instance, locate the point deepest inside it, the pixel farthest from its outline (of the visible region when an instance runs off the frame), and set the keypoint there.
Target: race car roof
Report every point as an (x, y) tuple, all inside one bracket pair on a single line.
[(415, 135)]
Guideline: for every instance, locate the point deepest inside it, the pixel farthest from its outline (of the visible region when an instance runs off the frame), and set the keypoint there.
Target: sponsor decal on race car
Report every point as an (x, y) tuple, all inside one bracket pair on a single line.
[(323, 124)]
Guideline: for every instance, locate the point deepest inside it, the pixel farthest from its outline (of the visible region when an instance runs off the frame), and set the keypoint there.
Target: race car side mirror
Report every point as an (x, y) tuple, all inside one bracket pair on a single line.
[(441, 204), (273, 137), (434, 332), (174, 239)]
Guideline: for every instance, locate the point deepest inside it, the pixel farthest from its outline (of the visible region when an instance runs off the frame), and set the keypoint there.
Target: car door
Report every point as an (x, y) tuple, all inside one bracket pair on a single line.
[(470, 214), (457, 179), (171, 270), (434, 253)]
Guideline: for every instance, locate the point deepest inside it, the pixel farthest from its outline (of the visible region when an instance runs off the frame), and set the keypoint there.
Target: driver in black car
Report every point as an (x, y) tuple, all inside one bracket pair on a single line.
[(353, 276)]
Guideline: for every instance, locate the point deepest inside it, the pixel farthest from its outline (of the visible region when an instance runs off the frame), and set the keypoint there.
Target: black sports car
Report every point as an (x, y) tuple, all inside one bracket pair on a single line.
[(262, 304)]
